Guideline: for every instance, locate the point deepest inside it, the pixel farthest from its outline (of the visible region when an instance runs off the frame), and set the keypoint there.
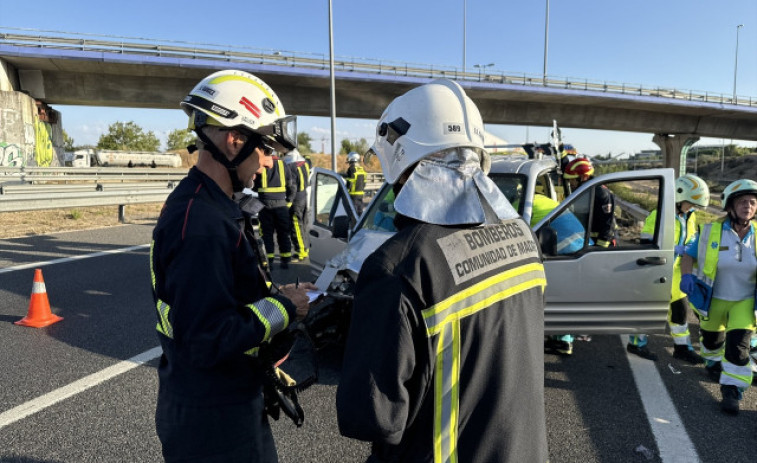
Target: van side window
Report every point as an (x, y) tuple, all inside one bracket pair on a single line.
[(608, 216), (330, 203)]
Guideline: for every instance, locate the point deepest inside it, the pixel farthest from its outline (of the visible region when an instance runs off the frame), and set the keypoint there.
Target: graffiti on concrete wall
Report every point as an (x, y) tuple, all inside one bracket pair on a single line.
[(11, 155), (43, 143)]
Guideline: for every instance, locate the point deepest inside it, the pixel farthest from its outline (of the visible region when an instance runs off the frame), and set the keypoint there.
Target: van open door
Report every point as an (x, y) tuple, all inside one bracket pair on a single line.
[(624, 288), (332, 216)]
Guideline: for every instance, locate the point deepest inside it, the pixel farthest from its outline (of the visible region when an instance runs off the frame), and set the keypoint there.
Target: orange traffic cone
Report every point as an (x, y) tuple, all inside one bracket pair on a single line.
[(39, 314)]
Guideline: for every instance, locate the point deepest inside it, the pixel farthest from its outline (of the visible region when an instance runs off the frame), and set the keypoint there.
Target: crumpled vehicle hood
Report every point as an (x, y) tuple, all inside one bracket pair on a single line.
[(362, 244)]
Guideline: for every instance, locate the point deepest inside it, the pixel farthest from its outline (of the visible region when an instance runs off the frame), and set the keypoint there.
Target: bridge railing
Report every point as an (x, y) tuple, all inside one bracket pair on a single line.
[(185, 50)]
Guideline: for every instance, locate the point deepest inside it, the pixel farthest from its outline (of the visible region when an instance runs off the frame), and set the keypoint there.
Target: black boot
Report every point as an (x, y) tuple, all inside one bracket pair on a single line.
[(642, 351), (686, 354), (714, 370), (557, 346), (730, 402)]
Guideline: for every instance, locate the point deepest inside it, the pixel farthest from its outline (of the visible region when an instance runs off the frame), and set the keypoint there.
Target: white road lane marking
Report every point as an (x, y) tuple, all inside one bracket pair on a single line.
[(672, 439), (51, 398), (73, 258)]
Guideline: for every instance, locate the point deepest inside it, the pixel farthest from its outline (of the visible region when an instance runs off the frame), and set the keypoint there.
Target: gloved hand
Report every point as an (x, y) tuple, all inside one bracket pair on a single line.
[(688, 283), (680, 250)]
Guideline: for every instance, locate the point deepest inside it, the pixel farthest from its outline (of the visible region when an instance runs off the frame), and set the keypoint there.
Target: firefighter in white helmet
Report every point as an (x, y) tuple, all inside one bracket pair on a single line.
[(214, 308), (355, 178), (300, 173), (432, 302), (721, 287)]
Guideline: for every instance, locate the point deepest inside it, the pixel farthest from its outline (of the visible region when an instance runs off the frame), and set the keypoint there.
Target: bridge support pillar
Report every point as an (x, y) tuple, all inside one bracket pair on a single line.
[(31, 133), (674, 149), (8, 77)]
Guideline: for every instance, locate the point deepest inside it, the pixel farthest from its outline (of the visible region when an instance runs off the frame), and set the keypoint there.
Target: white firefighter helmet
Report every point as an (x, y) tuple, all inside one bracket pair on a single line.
[(693, 189), (353, 157), (425, 120), (738, 188), (293, 156), (239, 99)]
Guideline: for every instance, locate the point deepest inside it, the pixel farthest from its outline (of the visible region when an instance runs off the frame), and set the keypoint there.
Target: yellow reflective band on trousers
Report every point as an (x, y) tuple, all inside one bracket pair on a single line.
[(443, 319), (164, 326), (300, 243)]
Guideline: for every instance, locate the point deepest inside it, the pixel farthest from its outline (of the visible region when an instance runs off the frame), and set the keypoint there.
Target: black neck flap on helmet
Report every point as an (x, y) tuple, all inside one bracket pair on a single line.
[(253, 141)]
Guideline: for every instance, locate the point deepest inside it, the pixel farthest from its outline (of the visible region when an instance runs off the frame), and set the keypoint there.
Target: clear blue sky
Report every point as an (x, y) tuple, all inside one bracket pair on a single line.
[(682, 44)]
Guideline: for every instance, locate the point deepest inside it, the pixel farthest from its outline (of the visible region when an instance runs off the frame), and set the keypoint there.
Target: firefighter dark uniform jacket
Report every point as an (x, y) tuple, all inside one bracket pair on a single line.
[(275, 185), (444, 358), (300, 172), (212, 302), (603, 226), (356, 179)]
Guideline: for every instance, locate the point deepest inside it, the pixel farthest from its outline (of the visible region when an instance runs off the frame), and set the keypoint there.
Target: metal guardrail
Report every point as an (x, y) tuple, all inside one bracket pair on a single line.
[(187, 50), (37, 188)]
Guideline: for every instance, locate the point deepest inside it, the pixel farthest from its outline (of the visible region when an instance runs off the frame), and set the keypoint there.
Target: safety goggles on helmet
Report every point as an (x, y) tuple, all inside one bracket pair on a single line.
[(283, 132)]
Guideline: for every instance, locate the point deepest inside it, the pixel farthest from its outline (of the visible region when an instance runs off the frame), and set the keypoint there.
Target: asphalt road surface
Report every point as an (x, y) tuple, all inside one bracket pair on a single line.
[(84, 389)]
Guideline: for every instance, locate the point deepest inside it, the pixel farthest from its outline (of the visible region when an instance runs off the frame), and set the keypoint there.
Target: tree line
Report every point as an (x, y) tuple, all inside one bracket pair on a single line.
[(129, 136)]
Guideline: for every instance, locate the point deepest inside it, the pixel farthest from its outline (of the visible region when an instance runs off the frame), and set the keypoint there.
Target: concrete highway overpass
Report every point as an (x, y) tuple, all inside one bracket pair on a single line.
[(71, 71)]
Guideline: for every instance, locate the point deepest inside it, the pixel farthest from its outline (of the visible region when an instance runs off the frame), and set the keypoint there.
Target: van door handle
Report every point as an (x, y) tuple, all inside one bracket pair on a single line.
[(652, 261)]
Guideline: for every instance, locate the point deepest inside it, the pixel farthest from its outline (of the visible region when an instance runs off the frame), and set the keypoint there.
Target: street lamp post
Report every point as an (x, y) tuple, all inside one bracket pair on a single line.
[(465, 9), (736, 62), (480, 67), (546, 42), (333, 90)]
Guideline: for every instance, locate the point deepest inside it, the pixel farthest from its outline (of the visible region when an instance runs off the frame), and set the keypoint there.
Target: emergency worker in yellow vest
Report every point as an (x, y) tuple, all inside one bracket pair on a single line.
[(721, 287), (300, 172), (276, 189), (691, 192), (603, 229), (570, 239), (355, 177), (444, 358), (214, 308)]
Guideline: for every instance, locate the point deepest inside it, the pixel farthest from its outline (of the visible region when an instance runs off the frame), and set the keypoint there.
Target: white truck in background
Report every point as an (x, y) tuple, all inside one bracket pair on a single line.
[(90, 157)]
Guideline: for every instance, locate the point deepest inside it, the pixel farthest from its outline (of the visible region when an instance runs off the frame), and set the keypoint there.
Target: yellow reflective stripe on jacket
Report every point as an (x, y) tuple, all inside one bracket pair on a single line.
[(303, 172), (481, 295), (272, 314), (281, 188), (164, 326), (359, 172), (444, 319), (707, 252), (447, 393), (647, 233)]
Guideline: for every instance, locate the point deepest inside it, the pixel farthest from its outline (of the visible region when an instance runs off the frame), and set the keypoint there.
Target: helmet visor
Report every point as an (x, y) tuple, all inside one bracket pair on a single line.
[(283, 132)]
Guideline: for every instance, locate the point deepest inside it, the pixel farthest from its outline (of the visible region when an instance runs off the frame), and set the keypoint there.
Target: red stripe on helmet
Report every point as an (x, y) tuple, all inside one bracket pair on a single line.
[(250, 107)]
